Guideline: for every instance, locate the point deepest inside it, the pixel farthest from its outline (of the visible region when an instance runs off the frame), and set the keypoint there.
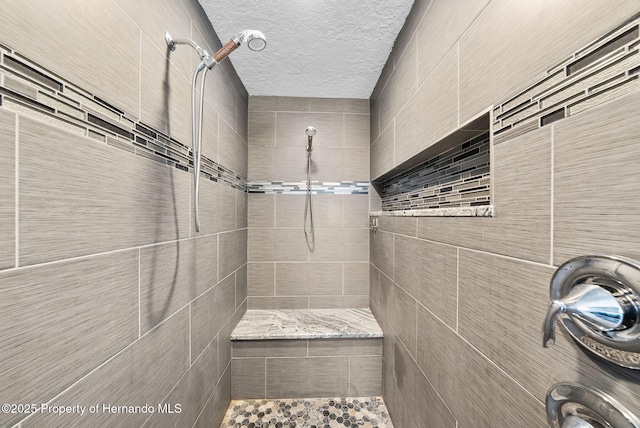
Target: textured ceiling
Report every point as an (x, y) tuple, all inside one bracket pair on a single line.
[(315, 48)]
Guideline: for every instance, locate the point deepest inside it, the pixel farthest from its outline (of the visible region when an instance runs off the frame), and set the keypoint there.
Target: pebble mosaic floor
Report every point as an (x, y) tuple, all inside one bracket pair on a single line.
[(360, 412)]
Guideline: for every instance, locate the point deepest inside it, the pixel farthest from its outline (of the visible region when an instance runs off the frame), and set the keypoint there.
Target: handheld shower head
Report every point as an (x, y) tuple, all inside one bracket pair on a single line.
[(310, 131), (253, 38)]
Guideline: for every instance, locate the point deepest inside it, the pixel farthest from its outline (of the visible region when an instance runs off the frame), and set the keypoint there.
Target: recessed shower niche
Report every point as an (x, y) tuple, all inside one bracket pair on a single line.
[(450, 177)]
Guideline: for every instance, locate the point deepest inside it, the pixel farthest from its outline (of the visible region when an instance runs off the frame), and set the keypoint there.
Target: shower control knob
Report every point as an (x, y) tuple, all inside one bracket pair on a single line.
[(591, 304)]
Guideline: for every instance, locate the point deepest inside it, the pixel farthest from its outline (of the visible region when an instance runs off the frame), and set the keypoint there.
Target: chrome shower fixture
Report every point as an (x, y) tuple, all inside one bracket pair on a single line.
[(256, 42), (310, 131)]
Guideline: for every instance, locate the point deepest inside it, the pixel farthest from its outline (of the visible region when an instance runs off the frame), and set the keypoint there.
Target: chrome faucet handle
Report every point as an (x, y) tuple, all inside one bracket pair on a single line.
[(573, 421), (588, 302)]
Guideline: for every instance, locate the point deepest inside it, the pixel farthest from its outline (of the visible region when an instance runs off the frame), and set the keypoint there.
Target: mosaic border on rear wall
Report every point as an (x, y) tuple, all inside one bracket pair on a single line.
[(31, 90), (317, 187), (605, 69)]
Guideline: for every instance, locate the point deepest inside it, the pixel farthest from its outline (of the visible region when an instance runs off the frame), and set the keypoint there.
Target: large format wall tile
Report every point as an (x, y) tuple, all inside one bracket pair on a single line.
[(71, 211), (191, 392), (62, 320), (296, 279), (365, 376), (173, 274), (337, 245), (431, 113), (266, 245), (7, 190), (262, 128), (595, 182), (106, 66), (222, 95), (216, 408), (487, 74), (416, 391), (495, 291), (381, 251), (324, 376), (262, 103), (210, 312), (261, 279), (165, 94), (248, 378), (233, 151), (443, 25), (382, 152), (233, 251), (400, 310), (452, 365), (154, 18), (402, 85), (427, 271), (521, 223), (277, 163), (144, 373), (327, 210), (341, 105), (290, 129), (218, 208)]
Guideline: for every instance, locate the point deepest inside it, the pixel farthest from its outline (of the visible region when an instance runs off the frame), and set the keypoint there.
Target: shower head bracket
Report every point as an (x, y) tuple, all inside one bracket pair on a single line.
[(170, 43)]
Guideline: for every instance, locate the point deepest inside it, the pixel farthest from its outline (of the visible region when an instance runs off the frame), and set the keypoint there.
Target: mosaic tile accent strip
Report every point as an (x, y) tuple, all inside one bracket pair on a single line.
[(606, 69), (362, 412), (300, 187), (459, 177), (31, 90)]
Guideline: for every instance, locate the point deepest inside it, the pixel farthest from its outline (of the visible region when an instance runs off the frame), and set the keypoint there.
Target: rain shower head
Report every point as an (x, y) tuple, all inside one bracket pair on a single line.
[(255, 40), (310, 131)]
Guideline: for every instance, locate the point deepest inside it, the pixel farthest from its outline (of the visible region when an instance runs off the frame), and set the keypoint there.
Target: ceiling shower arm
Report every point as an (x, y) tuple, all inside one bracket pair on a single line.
[(172, 42)]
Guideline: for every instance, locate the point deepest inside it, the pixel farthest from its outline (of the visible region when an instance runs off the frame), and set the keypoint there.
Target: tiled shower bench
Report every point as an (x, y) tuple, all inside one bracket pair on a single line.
[(298, 353)]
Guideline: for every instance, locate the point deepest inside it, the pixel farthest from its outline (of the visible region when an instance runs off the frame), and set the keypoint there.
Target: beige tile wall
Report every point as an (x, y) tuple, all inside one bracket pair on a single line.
[(306, 368), (461, 300), (284, 270), (108, 295)]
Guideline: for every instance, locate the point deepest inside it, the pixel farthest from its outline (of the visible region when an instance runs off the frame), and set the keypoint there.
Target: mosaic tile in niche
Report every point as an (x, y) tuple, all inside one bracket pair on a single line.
[(456, 178)]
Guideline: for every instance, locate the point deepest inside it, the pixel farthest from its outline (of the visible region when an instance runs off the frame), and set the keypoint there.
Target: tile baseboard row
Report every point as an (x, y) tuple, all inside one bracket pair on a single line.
[(603, 70), (31, 90)]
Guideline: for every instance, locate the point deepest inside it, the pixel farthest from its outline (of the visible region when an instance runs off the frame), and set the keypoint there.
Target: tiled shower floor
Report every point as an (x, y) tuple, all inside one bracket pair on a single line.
[(365, 412)]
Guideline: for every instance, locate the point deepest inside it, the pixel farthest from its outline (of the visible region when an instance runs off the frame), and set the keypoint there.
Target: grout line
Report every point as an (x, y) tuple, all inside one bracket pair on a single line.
[(457, 287), (344, 129), (190, 343), (139, 293), (458, 80), (551, 229), (139, 73), (275, 279), (16, 177), (393, 122), (349, 381)]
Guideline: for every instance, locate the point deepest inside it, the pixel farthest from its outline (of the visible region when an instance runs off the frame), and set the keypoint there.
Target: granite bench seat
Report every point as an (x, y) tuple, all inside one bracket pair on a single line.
[(297, 353), (261, 324)]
